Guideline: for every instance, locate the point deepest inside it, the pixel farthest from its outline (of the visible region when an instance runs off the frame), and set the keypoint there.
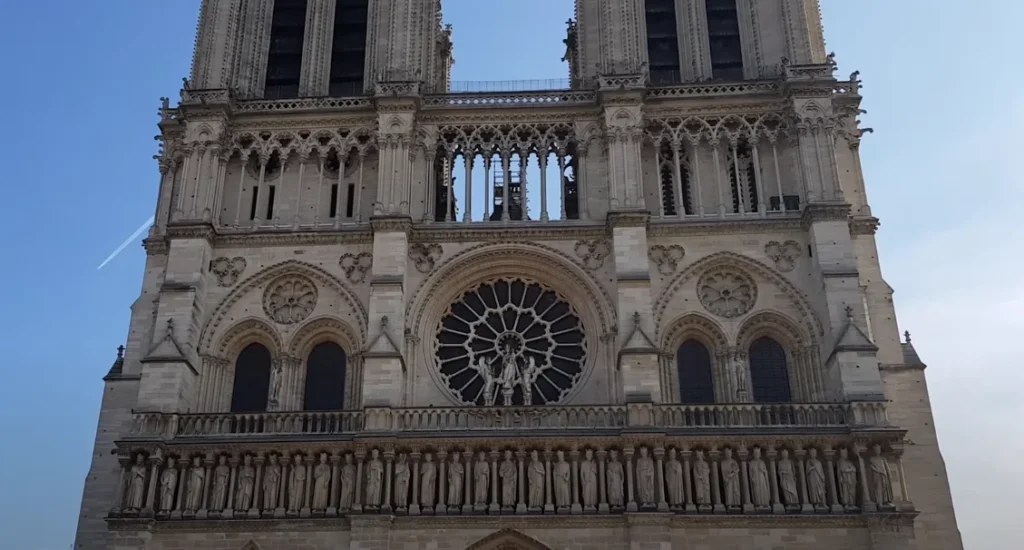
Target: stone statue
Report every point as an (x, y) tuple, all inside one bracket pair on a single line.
[(168, 483), (815, 481), (702, 480), (509, 478), (760, 490), (136, 484), (674, 479), (739, 369), (196, 481), (221, 478), (245, 485), (731, 479), (402, 482), (455, 472), (297, 485), (276, 379), (645, 478), (530, 376), (588, 479), (482, 477), (881, 480), (536, 476), (787, 479), (271, 483), (374, 479), (321, 484), (560, 477), (428, 481), (509, 370), (847, 480), (348, 483), (484, 370), (615, 477)]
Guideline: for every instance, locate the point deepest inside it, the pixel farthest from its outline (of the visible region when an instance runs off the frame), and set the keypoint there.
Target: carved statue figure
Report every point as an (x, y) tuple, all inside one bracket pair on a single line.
[(701, 480), (196, 480), (276, 379), (787, 479), (428, 481), (168, 483), (509, 478), (847, 479), (374, 479), (482, 477), (536, 477), (530, 376), (402, 482), (245, 485), (731, 479), (760, 490), (321, 484), (615, 476), (455, 472), (348, 483), (645, 478), (560, 475), (136, 484), (881, 480), (297, 485), (588, 479), (483, 368), (221, 478), (674, 479), (815, 481), (739, 369), (509, 370), (271, 483)]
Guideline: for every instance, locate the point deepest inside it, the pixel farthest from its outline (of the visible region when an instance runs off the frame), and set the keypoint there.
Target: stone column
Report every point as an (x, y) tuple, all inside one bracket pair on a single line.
[(332, 505), (549, 506), (208, 463), (807, 507), (414, 505), (148, 507), (742, 456), (867, 505), (442, 483), (716, 481), (691, 507), (257, 493), (521, 464), (495, 484), (385, 502), (906, 503), (659, 478), (357, 498), (602, 507), (574, 465), (229, 510), (631, 505), (116, 507), (286, 485), (182, 481), (773, 472), (467, 485), (308, 494)]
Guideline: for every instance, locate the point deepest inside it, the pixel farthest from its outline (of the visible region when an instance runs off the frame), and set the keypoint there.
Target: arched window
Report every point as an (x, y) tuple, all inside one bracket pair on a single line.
[(769, 373), (724, 35), (696, 383), (252, 379), (325, 378), (284, 59)]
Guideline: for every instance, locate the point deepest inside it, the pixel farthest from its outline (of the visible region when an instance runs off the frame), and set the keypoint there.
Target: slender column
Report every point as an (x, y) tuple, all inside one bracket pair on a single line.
[(449, 188), (543, 186), (208, 463), (561, 178), (307, 496), (677, 179), (762, 208), (830, 142), (524, 204), (332, 505), (867, 505), (659, 478), (661, 183), (742, 456), (833, 495), (357, 500), (117, 506), (488, 204), (688, 482), (574, 465), (716, 482), (495, 508), (698, 191), (285, 485), (821, 169), (740, 192), (212, 211), (807, 507), (630, 501), (467, 485), (521, 463), (506, 166), (179, 207), (229, 511), (581, 181), (241, 185), (773, 472), (467, 215), (179, 503), (385, 507), (718, 178), (907, 504), (442, 483), (260, 195), (549, 506), (338, 203), (193, 210), (357, 207), (257, 494), (602, 484), (414, 506), (148, 508), (778, 173), (431, 197)]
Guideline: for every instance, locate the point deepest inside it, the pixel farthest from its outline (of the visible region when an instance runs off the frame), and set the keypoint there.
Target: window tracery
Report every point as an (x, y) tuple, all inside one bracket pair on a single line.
[(290, 300), (726, 292)]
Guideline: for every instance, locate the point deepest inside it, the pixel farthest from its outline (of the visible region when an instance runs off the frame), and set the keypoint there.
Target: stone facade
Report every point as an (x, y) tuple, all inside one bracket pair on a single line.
[(693, 347)]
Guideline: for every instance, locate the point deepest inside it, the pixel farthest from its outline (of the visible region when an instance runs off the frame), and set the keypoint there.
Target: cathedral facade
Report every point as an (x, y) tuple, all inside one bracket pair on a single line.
[(638, 308)]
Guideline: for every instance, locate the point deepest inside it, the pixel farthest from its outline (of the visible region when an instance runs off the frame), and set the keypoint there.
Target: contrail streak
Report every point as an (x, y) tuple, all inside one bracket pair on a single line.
[(127, 242)]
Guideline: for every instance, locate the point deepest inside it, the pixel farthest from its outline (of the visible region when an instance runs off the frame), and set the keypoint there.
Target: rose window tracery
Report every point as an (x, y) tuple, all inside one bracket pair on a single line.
[(290, 300), (727, 293), (510, 342)]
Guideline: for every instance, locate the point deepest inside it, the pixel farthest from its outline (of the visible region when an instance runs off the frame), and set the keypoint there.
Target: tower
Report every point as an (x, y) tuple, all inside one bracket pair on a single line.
[(339, 344)]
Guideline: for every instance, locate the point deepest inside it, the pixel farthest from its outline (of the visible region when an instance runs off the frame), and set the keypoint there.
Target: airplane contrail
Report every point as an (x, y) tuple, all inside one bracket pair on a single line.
[(127, 242)]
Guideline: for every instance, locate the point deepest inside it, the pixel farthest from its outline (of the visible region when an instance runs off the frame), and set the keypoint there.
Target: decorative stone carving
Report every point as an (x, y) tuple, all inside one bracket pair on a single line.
[(168, 483), (536, 476), (356, 266), (221, 478), (760, 490), (787, 479), (481, 479), (783, 254), (509, 477), (227, 269), (881, 480), (321, 484), (726, 292), (702, 481), (588, 480), (290, 299), (428, 481), (245, 485), (593, 253), (374, 480), (271, 483), (667, 258), (402, 482), (674, 480), (560, 473), (425, 256), (348, 483), (456, 471), (730, 480), (196, 481), (615, 478), (297, 485), (136, 484), (645, 479), (847, 480)]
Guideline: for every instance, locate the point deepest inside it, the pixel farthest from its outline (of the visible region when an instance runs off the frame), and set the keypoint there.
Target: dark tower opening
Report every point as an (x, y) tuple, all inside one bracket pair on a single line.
[(284, 63)]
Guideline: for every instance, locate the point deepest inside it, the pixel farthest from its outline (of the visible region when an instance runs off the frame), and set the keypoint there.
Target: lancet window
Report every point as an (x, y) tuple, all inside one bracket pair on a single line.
[(743, 178), (674, 179), (696, 380), (348, 48), (662, 41), (769, 372), (724, 39), (251, 385), (284, 62), (325, 378)]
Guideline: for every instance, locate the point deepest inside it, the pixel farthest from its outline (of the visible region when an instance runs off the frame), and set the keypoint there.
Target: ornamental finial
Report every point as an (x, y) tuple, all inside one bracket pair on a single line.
[(120, 352), (907, 336), (849, 312), (636, 318)]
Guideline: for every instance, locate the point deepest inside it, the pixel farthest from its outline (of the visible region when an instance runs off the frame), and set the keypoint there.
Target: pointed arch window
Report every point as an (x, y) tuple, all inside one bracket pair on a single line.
[(662, 41), (769, 372), (284, 61), (724, 39), (252, 379), (348, 48), (325, 378), (696, 382)]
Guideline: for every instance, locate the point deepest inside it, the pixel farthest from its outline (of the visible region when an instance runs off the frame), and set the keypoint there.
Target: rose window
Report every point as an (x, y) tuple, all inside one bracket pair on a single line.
[(510, 342), (290, 300), (727, 293)]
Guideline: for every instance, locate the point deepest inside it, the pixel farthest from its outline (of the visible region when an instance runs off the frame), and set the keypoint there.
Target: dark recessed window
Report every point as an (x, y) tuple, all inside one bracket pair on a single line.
[(724, 38), (325, 378), (696, 383), (769, 373), (662, 41), (252, 380), (334, 200), (348, 48), (284, 62), (271, 194)]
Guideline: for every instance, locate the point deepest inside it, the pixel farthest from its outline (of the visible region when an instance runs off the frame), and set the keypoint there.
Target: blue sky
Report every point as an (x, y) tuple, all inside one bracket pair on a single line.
[(82, 82)]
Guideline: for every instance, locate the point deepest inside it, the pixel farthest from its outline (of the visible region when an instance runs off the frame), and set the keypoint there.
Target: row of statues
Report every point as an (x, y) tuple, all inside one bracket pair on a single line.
[(506, 482)]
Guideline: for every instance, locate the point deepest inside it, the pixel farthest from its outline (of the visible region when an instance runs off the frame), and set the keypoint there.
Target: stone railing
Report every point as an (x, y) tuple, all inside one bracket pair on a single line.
[(509, 99), (605, 418)]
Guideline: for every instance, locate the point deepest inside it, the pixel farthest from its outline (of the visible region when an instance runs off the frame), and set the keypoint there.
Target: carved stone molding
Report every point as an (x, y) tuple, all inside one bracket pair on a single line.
[(290, 299), (783, 254), (667, 258), (727, 292), (426, 256), (356, 266), (593, 253), (227, 269)]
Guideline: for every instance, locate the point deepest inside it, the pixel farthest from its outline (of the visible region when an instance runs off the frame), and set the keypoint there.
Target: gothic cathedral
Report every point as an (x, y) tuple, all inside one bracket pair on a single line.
[(641, 308)]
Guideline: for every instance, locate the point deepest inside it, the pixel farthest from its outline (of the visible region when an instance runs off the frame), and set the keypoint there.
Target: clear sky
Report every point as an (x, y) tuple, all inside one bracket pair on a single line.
[(942, 82)]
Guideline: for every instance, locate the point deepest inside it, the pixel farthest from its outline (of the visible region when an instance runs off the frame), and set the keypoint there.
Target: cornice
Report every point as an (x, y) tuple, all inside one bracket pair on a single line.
[(160, 244), (626, 218), (824, 212), (713, 226), (864, 225), (391, 224)]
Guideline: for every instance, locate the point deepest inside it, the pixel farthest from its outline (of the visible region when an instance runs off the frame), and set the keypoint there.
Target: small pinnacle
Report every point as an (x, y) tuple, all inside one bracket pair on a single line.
[(907, 335), (636, 318), (849, 312), (384, 322), (120, 352)]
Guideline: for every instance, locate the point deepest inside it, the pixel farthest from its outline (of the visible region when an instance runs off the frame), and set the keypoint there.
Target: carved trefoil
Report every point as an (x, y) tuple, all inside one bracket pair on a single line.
[(227, 270), (593, 253), (783, 254), (667, 258), (425, 256), (356, 266)]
